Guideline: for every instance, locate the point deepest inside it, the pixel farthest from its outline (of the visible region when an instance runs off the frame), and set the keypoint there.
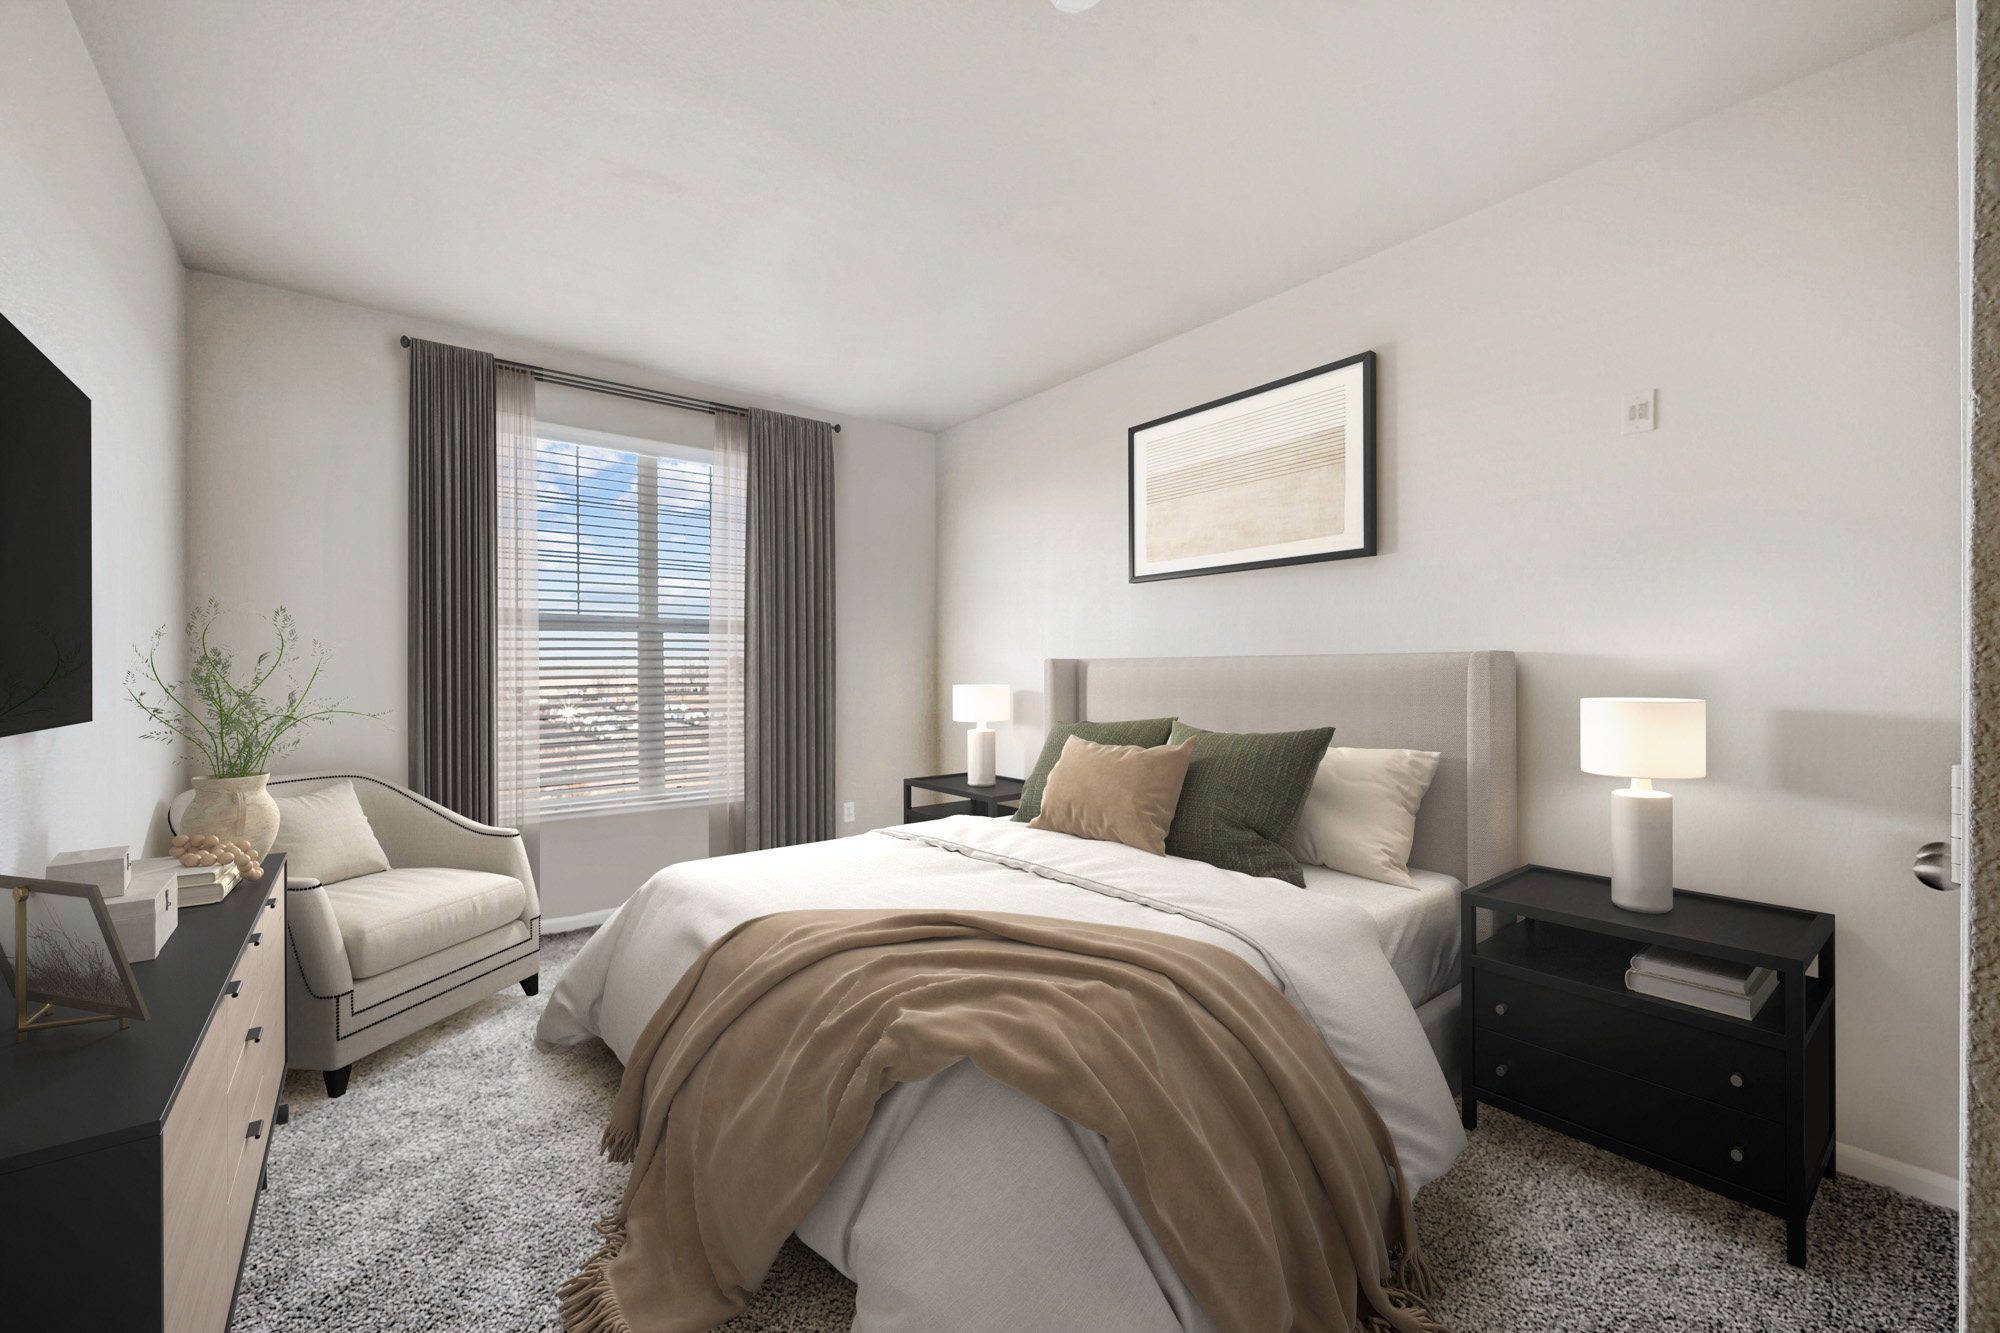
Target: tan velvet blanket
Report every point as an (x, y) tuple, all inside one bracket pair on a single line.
[(1255, 1159)]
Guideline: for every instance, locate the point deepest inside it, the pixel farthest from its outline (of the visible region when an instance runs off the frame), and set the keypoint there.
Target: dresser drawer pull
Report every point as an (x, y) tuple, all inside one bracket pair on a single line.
[(1500, 1071), (270, 902), (1501, 1008), (256, 1130), (256, 937), (233, 989), (255, 1034), (1735, 1154), (1736, 1080)]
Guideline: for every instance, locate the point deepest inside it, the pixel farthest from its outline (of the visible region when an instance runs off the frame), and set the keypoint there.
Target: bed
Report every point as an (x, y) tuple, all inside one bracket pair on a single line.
[(966, 1205)]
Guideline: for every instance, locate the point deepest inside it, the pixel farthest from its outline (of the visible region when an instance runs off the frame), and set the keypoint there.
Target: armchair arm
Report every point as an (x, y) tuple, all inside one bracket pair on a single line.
[(316, 942)]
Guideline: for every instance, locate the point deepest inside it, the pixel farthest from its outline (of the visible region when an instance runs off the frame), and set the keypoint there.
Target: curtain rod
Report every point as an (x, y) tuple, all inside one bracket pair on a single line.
[(613, 387)]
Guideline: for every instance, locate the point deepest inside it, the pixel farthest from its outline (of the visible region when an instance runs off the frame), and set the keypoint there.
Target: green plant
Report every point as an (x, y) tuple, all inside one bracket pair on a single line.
[(234, 727)]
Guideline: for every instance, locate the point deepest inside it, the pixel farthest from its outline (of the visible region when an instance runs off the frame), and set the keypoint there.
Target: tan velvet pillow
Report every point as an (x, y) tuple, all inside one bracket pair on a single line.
[(1115, 793)]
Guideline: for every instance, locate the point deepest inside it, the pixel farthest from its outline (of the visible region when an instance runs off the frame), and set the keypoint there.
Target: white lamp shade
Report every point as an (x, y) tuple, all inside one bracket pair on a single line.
[(982, 703), (1645, 738)]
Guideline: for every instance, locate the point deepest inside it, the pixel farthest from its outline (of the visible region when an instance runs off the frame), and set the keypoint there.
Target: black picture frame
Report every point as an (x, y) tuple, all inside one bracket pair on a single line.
[(1358, 493), (118, 994)]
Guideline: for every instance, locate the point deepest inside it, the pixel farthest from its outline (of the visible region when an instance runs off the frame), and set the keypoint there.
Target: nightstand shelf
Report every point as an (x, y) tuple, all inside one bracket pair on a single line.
[(995, 801), (1743, 1107)]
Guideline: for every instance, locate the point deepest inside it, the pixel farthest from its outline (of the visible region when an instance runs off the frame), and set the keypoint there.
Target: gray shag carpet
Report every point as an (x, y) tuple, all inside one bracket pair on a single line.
[(453, 1188)]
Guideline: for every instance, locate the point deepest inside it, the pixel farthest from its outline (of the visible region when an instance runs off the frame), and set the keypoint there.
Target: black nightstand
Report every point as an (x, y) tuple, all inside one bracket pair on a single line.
[(1740, 1107), (978, 800)]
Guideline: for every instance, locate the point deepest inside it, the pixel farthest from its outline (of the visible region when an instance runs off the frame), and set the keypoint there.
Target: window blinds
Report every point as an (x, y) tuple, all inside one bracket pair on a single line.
[(622, 562)]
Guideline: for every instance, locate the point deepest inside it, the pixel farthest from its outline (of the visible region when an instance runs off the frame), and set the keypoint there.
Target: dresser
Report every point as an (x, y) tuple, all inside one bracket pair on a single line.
[(131, 1161), (1742, 1107)]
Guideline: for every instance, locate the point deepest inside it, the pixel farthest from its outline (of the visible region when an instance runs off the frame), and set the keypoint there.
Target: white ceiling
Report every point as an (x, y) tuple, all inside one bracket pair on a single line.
[(911, 210)]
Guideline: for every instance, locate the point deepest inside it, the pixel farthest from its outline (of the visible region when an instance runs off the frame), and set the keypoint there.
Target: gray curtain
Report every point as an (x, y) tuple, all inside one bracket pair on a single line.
[(788, 632), (454, 579)]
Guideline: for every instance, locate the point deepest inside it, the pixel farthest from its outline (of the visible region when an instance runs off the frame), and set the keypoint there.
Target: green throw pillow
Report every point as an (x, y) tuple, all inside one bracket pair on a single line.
[(1242, 798), (1148, 732)]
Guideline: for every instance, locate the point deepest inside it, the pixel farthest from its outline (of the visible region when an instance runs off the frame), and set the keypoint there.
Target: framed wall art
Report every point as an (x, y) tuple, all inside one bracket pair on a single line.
[(72, 954), (1276, 475)]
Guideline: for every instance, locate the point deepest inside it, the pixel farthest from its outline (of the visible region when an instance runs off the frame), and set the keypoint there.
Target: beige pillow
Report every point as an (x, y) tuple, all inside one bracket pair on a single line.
[(1361, 814), (1115, 793), (326, 836)]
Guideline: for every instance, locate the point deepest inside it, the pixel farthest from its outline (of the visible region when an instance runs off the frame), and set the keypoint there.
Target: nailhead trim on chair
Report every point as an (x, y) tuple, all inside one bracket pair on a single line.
[(533, 944)]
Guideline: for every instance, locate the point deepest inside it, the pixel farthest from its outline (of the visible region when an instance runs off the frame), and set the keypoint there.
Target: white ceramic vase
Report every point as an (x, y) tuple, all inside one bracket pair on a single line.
[(235, 810)]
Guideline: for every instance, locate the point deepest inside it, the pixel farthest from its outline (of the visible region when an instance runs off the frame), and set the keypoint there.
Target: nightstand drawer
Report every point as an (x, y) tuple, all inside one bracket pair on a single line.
[(1744, 1149), (1741, 1075)]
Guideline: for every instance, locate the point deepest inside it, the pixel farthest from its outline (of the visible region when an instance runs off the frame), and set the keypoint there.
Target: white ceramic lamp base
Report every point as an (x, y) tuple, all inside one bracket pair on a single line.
[(1642, 849), (979, 757)]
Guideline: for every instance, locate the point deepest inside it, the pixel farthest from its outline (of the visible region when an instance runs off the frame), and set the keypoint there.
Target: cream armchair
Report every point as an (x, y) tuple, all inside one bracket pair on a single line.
[(374, 958)]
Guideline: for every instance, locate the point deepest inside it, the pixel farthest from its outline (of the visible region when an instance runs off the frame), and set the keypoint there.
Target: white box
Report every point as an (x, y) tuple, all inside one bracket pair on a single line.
[(109, 868), (146, 916)]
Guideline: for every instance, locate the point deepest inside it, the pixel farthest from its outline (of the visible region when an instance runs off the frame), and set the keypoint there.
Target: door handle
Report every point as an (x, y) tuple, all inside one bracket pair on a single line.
[(1933, 867)]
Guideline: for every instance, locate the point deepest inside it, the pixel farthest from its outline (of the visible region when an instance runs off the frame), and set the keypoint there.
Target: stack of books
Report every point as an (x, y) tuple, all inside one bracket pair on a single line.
[(196, 885), (1736, 989)]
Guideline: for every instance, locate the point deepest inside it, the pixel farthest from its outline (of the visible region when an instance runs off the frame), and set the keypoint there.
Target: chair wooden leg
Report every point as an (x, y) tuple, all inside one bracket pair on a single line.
[(529, 985), (336, 1080)]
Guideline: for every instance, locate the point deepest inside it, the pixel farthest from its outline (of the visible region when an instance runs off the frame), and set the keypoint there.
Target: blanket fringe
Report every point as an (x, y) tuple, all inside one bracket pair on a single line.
[(586, 1302), (618, 1143), (1409, 1294)]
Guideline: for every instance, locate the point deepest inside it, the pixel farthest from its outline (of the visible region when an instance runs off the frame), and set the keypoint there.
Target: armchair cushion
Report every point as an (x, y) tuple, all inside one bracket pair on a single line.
[(326, 834), (398, 916)]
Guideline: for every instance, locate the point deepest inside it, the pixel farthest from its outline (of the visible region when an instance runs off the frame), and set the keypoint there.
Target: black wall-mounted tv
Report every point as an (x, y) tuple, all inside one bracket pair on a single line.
[(44, 541)]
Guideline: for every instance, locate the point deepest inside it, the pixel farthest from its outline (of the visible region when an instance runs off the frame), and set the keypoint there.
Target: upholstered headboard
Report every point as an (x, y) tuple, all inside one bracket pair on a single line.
[(1459, 704)]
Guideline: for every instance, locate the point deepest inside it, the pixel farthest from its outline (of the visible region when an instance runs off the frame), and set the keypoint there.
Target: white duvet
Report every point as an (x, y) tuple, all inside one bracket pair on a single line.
[(968, 1208)]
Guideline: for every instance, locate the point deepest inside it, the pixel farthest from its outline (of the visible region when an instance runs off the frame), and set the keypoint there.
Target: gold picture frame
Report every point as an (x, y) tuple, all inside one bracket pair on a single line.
[(61, 950)]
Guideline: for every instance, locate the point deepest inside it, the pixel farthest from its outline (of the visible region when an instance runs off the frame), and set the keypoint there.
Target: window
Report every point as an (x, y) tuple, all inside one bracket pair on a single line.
[(622, 564)]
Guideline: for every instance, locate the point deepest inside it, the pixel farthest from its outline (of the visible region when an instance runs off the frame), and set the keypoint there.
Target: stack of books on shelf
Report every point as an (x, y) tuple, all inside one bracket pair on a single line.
[(1736, 989)]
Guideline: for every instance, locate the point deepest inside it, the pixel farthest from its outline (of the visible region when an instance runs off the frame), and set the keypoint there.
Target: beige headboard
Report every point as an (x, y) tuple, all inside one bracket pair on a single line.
[(1459, 704)]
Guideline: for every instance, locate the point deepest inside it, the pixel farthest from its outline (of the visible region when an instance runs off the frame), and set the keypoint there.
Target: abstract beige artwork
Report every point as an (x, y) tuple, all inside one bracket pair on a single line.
[(1277, 475)]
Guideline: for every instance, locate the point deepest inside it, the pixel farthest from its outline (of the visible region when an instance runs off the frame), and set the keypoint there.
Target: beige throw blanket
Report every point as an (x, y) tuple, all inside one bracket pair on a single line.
[(1257, 1162)]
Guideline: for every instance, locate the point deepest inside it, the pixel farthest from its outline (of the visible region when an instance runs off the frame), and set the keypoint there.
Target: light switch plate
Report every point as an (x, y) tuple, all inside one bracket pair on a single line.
[(847, 812), (1642, 410)]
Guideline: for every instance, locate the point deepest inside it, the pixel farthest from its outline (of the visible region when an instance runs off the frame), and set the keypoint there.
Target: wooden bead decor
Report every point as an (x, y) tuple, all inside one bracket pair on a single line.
[(209, 850)]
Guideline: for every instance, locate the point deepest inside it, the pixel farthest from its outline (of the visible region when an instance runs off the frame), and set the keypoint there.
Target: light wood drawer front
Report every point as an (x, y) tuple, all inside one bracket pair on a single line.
[(209, 1163), (198, 1153), (260, 1004)]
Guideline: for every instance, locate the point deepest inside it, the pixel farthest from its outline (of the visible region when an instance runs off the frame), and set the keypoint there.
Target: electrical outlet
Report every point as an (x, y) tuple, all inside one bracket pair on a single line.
[(1642, 410), (847, 812)]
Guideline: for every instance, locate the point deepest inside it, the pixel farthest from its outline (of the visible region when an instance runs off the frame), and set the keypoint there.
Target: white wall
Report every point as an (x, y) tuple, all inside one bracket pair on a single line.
[(88, 273), (1784, 545), (298, 483)]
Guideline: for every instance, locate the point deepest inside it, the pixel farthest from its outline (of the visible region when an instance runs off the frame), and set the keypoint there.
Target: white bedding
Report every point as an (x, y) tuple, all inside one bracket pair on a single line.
[(1417, 928), (968, 1208)]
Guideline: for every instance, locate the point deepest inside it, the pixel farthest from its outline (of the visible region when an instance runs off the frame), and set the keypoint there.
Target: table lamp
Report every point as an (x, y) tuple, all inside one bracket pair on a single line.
[(979, 705), (1644, 739)]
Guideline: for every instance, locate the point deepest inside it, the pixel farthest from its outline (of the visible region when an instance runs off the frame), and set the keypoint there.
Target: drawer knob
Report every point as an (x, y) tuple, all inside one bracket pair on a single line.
[(256, 937), (256, 1130), (1500, 1071), (1500, 1008), (1736, 1080), (255, 1034), (233, 989), (1735, 1154)]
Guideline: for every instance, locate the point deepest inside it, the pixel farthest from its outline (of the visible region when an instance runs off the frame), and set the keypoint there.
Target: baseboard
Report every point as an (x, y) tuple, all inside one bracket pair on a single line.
[(557, 925), (1873, 1167)]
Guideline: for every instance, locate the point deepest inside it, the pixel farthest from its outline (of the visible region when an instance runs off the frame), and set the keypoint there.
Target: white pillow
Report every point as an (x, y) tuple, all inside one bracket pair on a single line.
[(326, 836), (1361, 814)]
